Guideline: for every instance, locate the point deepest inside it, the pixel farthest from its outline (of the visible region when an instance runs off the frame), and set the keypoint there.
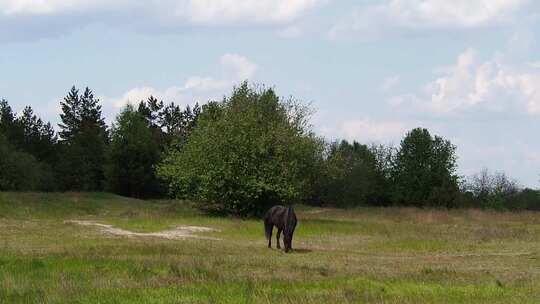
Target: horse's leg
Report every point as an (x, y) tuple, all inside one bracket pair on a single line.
[(268, 230), (290, 241), (278, 236)]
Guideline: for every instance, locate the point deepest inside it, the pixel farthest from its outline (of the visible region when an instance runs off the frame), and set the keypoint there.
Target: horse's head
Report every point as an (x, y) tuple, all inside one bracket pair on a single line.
[(287, 241), (290, 225)]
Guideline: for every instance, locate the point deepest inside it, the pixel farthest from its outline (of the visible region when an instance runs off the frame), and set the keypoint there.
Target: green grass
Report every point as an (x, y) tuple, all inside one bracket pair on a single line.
[(364, 255)]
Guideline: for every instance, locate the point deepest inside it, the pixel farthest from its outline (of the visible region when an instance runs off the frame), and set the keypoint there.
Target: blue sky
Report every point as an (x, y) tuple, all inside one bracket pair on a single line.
[(468, 70)]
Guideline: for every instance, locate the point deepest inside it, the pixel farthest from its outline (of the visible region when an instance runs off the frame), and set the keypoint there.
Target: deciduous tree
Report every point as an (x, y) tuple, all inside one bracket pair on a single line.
[(425, 171), (247, 152)]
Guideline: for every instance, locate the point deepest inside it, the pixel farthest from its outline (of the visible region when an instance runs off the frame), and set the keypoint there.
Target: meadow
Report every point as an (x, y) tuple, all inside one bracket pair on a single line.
[(363, 255)]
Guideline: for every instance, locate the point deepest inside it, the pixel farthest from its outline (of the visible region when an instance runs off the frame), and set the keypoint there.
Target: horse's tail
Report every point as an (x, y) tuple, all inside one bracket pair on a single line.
[(268, 228)]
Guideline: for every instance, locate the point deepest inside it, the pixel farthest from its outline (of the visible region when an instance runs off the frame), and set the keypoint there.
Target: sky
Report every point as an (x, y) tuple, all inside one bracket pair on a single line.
[(468, 70)]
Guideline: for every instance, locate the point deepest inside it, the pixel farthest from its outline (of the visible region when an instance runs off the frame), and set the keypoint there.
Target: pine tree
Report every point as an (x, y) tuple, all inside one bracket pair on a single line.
[(31, 126), (39, 139), (84, 139), (151, 110), (71, 117), (9, 126), (7, 117), (170, 123), (29, 151)]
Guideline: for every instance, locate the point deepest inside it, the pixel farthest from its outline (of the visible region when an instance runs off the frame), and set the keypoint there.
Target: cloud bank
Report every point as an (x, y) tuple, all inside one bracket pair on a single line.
[(404, 16), (235, 69), (32, 19), (367, 130), (473, 85)]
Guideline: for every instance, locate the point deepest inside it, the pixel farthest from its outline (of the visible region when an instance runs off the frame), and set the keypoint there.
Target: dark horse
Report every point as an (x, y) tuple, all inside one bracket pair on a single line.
[(284, 219)]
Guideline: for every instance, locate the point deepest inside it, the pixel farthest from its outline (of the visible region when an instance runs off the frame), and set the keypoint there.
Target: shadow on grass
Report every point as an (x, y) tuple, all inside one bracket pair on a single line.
[(294, 251), (301, 251)]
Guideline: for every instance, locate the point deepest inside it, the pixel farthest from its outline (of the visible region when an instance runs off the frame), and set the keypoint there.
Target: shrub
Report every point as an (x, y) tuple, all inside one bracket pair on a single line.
[(527, 199), (20, 171), (493, 191)]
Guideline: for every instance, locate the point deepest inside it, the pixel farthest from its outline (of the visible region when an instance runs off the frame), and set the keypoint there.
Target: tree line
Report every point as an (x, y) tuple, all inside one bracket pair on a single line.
[(86, 154), (238, 156)]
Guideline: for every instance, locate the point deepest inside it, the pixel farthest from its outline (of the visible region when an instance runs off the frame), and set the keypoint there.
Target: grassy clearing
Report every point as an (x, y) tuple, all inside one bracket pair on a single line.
[(343, 256)]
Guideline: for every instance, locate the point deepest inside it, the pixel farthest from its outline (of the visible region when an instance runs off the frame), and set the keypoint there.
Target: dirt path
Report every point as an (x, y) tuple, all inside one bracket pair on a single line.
[(178, 233)]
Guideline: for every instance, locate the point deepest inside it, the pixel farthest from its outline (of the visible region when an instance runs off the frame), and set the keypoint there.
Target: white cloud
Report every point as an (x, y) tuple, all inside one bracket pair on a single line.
[(235, 68), (21, 19), (470, 84), (198, 11), (259, 11), (18, 8), (238, 66), (414, 15), (135, 95), (33, 7), (367, 130)]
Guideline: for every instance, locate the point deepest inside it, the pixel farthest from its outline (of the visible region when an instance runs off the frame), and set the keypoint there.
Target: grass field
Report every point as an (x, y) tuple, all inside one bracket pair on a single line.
[(342, 256)]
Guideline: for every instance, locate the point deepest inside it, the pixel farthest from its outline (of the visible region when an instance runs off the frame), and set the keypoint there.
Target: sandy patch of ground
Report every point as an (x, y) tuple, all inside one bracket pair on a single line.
[(317, 211), (178, 233)]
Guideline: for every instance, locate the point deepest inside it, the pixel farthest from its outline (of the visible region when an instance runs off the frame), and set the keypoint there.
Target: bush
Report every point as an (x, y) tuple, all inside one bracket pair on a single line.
[(493, 191), (465, 200), (20, 171), (526, 199)]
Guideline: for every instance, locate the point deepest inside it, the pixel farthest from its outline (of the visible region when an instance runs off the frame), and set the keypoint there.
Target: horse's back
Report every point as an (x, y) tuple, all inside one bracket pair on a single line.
[(279, 215), (276, 211)]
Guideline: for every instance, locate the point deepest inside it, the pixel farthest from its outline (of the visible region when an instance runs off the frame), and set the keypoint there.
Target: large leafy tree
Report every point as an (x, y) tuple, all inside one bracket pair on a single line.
[(247, 152), (425, 171), (84, 138), (133, 153)]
